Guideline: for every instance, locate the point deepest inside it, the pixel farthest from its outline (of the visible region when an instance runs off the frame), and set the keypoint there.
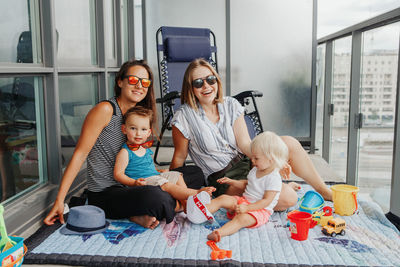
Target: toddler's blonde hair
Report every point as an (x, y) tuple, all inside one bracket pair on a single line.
[(272, 146)]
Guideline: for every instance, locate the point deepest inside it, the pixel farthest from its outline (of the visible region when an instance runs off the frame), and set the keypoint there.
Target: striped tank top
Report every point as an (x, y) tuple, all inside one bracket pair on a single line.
[(101, 159)]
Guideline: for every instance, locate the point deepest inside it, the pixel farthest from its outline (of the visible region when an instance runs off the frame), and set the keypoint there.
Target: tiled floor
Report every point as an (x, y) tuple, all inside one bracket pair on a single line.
[(166, 154)]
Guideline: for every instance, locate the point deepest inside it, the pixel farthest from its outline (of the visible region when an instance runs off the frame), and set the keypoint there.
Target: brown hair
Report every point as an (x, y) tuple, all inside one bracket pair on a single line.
[(149, 100), (139, 111), (187, 95)]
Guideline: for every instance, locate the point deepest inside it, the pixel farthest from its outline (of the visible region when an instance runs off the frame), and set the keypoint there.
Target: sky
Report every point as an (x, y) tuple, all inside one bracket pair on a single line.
[(335, 15)]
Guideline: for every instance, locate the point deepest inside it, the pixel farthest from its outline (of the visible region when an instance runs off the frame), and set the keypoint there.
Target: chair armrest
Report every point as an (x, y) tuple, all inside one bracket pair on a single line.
[(244, 94), (169, 97)]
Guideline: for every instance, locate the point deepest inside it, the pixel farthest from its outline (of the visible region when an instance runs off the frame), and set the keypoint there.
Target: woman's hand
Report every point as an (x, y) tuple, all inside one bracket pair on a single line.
[(140, 182), (56, 213), (242, 137), (285, 171), (97, 118), (181, 149)]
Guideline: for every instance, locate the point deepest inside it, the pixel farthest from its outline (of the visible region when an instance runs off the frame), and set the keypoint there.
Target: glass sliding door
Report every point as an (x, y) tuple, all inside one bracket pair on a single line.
[(76, 32), (340, 101), (22, 150), (20, 39), (377, 104), (78, 94), (274, 60), (320, 98)]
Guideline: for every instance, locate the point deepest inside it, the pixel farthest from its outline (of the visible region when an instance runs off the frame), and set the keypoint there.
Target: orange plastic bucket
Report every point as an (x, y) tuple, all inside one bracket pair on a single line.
[(345, 199), (299, 224)]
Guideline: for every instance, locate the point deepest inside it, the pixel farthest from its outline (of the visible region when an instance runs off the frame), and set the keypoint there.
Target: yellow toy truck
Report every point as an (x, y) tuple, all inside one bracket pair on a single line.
[(334, 227)]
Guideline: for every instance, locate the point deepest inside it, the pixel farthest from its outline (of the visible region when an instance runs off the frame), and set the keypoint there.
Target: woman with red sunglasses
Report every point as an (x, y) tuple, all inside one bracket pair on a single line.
[(99, 143), (211, 128)]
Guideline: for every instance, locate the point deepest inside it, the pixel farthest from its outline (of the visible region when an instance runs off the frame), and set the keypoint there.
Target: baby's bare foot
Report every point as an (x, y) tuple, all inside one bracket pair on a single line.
[(208, 189), (294, 185), (214, 236), (154, 224), (145, 220)]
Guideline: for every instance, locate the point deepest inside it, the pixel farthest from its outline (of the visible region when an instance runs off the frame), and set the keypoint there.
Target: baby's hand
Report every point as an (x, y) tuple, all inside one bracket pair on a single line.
[(285, 171), (241, 209), (140, 182), (225, 180)]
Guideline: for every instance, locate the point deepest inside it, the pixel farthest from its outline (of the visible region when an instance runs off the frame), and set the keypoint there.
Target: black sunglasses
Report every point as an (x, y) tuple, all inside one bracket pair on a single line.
[(198, 83)]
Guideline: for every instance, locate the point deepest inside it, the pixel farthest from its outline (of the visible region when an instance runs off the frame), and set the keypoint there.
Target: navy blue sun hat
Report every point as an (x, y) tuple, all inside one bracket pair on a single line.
[(85, 219)]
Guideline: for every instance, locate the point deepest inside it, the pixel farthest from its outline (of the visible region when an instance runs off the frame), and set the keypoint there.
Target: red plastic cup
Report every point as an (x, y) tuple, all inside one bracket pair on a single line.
[(299, 224)]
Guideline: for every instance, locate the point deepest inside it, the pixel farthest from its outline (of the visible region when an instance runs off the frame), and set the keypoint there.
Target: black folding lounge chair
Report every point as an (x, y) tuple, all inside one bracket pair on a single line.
[(176, 48)]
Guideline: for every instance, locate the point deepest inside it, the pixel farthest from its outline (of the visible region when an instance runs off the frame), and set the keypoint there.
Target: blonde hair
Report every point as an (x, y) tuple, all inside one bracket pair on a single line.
[(273, 148), (187, 95)]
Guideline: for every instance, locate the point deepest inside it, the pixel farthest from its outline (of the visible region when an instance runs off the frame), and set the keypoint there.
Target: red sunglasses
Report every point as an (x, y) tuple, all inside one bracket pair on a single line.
[(133, 80), (135, 147)]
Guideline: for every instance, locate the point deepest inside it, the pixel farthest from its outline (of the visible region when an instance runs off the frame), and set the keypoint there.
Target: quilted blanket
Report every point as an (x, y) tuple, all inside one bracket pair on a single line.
[(370, 239)]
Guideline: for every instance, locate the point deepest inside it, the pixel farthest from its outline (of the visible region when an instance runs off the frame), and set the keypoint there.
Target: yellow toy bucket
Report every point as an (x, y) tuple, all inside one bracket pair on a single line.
[(344, 199)]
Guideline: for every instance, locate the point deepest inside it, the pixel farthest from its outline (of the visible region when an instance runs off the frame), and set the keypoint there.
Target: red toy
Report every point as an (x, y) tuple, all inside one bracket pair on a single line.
[(217, 253)]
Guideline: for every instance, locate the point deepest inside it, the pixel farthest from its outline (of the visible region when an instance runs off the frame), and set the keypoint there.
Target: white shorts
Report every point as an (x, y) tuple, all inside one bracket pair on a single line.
[(164, 177)]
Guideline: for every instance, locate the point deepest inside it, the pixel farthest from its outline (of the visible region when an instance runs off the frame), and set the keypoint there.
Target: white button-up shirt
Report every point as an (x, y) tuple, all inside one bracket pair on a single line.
[(211, 146)]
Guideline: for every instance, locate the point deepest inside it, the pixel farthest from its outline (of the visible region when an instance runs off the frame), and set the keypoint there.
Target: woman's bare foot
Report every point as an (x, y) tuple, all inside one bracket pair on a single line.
[(326, 194), (208, 189), (145, 220), (295, 186), (180, 206), (214, 236)]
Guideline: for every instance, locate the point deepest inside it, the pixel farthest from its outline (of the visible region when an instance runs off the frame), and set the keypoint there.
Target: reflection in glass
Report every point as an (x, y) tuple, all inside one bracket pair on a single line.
[(124, 29), (340, 100), (78, 94), (76, 28), (20, 32), (111, 83), (377, 104), (109, 26), (320, 76), (21, 151), (138, 29), (274, 60)]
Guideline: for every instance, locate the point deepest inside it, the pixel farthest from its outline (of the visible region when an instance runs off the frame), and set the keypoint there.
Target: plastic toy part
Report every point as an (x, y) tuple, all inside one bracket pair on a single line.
[(217, 253), (313, 223), (344, 199), (311, 202), (323, 217), (5, 242), (335, 226), (327, 210)]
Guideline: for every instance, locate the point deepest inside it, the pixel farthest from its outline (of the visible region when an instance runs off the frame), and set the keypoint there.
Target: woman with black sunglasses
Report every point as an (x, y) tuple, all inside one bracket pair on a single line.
[(211, 128), (100, 140)]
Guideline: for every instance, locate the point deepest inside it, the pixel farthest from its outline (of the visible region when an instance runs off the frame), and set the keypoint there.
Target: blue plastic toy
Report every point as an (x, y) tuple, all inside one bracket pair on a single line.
[(311, 202)]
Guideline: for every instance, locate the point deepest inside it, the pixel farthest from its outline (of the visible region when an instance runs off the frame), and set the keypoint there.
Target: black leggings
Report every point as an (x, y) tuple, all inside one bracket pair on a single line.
[(120, 202)]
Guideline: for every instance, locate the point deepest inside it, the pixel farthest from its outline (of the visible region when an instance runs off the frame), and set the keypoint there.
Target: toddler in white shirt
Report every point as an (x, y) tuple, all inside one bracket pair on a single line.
[(261, 194)]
